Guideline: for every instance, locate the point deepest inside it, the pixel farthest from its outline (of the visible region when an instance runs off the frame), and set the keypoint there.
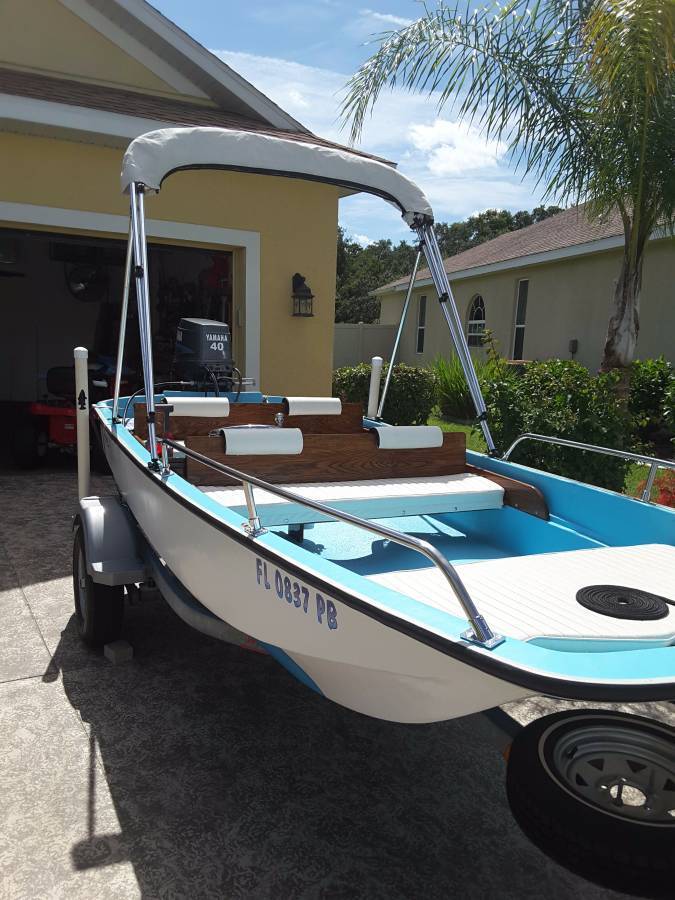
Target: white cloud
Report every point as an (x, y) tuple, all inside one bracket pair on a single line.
[(454, 147), (385, 18), (458, 170), (362, 239)]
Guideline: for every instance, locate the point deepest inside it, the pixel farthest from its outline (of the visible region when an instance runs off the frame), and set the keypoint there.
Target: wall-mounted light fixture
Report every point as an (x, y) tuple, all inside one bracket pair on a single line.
[(302, 297)]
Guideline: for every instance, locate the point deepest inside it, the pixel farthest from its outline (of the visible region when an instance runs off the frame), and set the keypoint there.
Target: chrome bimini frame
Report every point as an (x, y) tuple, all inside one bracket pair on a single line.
[(137, 264), (654, 462)]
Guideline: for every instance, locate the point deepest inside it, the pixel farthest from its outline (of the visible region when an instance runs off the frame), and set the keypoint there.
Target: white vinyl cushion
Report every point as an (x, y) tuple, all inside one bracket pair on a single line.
[(377, 498), (152, 156), (262, 441), (528, 597), (408, 437), (313, 406), (216, 407)]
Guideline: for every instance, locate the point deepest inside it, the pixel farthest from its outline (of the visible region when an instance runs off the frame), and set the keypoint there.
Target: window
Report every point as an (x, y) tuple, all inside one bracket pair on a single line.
[(521, 313), (476, 325), (421, 324)]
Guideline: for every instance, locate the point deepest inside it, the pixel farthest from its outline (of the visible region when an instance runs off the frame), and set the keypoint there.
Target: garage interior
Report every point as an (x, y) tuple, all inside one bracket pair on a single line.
[(61, 291)]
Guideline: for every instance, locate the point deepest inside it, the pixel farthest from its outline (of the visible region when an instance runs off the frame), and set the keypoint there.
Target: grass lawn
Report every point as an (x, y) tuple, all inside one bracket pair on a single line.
[(474, 441)]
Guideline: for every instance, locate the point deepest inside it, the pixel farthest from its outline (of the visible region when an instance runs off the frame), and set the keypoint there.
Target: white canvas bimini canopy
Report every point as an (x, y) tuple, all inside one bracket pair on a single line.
[(150, 158), (153, 156)]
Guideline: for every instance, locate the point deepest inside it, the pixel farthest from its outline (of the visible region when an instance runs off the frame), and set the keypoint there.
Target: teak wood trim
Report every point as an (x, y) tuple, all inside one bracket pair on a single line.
[(331, 457), (349, 421), (518, 494)]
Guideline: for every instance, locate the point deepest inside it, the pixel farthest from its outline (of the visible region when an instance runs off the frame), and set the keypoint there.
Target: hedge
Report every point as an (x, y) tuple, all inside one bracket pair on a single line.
[(411, 395), (560, 398)]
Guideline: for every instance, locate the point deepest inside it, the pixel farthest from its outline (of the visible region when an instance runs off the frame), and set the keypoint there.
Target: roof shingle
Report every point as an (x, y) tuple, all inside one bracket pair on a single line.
[(145, 106), (565, 229)]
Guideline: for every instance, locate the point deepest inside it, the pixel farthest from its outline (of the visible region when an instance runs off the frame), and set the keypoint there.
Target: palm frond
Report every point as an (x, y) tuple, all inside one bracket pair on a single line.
[(516, 71)]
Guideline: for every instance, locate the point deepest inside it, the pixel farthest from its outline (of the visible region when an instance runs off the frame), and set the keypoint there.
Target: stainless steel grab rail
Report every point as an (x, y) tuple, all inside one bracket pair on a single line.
[(653, 462), (480, 632)]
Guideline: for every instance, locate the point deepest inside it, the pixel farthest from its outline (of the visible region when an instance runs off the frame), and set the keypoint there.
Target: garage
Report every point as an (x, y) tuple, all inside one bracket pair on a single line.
[(60, 291)]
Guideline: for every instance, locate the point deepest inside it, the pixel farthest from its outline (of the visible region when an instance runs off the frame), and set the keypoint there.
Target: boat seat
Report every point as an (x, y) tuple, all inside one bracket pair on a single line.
[(378, 498), (533, 598)]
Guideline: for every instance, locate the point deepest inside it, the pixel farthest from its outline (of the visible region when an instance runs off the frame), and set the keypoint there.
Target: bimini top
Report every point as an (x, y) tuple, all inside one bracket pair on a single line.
[(150, 158)]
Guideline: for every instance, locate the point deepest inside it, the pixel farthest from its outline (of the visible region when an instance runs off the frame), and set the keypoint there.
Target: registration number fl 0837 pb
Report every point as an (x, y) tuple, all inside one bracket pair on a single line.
[(296, 594)]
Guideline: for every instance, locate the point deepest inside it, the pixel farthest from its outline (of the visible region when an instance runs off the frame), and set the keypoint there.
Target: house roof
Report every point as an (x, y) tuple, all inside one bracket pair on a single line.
[(567, 233), (166, 110), (171, 53)]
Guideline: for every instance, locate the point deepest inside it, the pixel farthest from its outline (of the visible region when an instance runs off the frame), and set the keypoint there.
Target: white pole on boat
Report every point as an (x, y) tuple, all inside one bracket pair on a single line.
[(81, 355), (123, 324), (374, 392), (399, 333)]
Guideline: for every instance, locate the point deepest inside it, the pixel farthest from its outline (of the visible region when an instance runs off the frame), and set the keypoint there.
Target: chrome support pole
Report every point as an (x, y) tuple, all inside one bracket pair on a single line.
[(439, 276), (123, 324), (653, 462), (254, 528), (397, 341), (143, 298), (647, 492)]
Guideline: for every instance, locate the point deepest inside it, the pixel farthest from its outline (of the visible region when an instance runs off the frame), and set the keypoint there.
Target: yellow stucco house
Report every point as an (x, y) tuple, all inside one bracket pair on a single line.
[(78, 80), (543, 291)]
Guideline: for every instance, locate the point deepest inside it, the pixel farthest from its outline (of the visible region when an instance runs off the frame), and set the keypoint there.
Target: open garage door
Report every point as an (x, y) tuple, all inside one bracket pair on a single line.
[(59, 291)]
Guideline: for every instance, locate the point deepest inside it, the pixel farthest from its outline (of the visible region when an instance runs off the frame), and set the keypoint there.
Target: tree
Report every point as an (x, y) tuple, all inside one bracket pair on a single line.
[(362, 269), (583, 93), (483, 227)]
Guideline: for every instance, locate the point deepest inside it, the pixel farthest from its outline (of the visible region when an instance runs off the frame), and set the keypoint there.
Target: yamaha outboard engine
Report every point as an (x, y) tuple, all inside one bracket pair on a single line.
[(203, 355)]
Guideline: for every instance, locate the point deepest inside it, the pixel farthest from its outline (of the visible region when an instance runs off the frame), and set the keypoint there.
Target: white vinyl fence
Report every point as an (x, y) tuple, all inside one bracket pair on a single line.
[(353, 344)]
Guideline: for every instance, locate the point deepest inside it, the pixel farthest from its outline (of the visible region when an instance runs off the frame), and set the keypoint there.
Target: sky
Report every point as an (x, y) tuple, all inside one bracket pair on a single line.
[(300, 53)]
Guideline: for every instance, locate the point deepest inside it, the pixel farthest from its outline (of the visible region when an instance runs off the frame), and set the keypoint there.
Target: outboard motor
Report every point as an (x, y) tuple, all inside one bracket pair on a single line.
[(203, 355)]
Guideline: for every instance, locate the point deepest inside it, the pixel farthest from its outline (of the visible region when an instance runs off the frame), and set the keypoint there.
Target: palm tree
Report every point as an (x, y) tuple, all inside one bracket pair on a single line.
[(582, 93)]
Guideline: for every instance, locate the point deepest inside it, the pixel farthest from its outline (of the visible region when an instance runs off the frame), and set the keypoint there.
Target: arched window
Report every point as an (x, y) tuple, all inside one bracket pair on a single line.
[(476, 323)]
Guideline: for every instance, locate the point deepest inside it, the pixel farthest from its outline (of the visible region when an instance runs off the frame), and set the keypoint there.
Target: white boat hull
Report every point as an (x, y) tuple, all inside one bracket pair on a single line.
[(350, 657)]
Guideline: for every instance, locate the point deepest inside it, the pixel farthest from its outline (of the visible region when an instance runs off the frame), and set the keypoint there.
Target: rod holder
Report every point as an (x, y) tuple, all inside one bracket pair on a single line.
[(81, 355), (374, 392)]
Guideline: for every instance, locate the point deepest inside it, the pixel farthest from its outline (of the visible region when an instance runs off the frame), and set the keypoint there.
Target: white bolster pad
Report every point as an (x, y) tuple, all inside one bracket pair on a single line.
[(262, 441), (215, 407), (408, 437), (312, 406)]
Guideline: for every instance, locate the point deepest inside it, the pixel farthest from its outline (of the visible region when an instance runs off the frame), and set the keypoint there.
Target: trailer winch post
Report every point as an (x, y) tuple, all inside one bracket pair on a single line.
[(81, 355)]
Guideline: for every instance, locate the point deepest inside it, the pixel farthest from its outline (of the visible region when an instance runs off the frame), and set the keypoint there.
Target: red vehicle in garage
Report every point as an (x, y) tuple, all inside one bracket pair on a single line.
[(49, 424)]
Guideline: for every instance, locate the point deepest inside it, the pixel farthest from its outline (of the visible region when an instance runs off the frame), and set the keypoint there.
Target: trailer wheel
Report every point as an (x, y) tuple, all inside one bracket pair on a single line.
[(99, 607), (29, 443), (596, 791)]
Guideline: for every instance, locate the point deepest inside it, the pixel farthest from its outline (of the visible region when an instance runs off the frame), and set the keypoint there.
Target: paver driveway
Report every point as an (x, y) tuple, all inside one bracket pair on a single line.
[(202, 770)]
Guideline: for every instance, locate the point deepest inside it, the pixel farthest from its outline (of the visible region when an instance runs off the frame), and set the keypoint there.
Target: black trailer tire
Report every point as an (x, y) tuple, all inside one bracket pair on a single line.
[(29, 443), (99, 608), (578, 783)]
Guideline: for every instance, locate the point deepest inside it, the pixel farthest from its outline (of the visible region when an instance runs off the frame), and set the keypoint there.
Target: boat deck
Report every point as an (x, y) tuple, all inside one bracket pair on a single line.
[(530, 597)]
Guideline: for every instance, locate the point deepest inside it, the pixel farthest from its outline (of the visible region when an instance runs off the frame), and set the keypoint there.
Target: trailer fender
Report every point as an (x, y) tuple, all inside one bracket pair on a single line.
[(111, 541)]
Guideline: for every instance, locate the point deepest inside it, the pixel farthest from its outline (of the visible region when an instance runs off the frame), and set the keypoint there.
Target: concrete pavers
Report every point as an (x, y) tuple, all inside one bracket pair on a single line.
[(201, 770)]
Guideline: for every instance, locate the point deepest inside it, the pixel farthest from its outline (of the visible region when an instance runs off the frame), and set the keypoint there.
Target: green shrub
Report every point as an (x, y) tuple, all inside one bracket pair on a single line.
[(669, 406), (453, 396), (560, 398), (411, 395), (650, 380), (454, 399)]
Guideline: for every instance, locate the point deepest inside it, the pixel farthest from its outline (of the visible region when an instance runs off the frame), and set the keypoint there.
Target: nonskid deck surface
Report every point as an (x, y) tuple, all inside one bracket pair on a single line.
[(535, 596)]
